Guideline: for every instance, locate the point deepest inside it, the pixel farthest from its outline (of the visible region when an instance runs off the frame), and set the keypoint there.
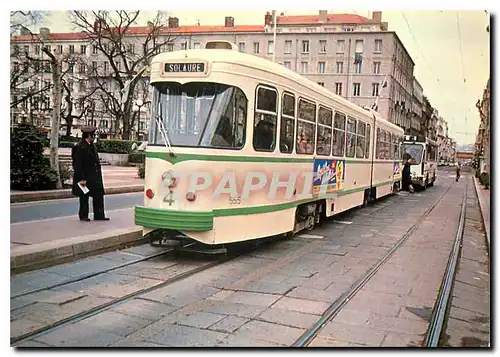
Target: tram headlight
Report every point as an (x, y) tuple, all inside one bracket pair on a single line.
[(149, 193), (190, 196)]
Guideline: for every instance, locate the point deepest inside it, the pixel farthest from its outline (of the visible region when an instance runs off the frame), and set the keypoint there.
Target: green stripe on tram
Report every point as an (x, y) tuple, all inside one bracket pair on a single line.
[(240, 158), (203, 220)]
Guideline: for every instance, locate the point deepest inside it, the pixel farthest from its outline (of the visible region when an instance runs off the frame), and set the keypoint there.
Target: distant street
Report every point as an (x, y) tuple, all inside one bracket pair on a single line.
[(31, 211)]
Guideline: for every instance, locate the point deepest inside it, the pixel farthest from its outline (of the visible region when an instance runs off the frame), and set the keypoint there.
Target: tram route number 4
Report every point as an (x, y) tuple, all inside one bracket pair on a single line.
[(169, 198)]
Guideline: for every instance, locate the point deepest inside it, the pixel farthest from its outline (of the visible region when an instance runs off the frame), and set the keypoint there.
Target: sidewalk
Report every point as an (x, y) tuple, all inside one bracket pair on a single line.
[(116, 179), (43, 242), (483, 197)]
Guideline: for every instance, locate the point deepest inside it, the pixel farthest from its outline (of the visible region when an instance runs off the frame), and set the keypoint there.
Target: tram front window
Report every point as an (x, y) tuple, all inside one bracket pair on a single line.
[(414, 152), (199, 114)]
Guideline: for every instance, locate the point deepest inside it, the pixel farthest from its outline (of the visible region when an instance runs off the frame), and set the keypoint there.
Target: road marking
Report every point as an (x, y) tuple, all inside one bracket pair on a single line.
[(343, 222), (311, 236), (63, 217)]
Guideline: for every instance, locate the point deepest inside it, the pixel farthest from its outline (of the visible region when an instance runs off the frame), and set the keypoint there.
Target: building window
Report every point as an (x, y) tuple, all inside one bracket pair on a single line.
[(340, 46), (357, 67), (340, 67), (196, 45), (170, 47), (376, 67), (94, 66), (356, 89), (71, 67), (83, 49), (270, 47), (131, 48), (338, 88), (375, 88), (37, 49), (106, 67), (94, 49), (322, 46), (288, 47), (359, 46), (322, 67), (256, 47), (71, 49), (103, 123), (183, 46), (287, 64), (59, 49), (321, 84), (241, 46), (378, 46), (305, 46), (303, 67)]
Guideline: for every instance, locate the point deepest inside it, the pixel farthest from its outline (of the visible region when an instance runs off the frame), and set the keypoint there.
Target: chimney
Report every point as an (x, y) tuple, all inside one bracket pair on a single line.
[(44, 32), (25, 32), (377, 16), (99, 24), (268, 19), (323, 15), (229, 21), (173, 22), (150, 24)]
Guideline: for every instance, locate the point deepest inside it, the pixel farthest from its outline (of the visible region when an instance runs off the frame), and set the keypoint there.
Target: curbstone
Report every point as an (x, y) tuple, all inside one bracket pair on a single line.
[(482, 208), (66, 193), (36, 256)]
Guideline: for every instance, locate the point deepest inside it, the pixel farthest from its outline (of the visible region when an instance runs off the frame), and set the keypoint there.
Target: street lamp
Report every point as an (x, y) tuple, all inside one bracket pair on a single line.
[(137, 107)]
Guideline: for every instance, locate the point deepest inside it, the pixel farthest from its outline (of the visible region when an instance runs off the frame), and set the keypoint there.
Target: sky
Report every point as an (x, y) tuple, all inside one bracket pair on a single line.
[(451, 51)]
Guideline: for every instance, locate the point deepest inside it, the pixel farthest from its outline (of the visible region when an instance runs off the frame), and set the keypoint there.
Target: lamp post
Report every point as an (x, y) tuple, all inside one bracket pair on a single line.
[(138, 104)]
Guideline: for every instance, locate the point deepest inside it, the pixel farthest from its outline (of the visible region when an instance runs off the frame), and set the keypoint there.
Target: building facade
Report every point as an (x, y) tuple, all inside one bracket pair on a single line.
[(352, 56), (482, 144)]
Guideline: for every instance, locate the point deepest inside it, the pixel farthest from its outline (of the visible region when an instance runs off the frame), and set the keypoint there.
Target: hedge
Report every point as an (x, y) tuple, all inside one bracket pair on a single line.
[(137, 157), (141, 170), (114, 146)]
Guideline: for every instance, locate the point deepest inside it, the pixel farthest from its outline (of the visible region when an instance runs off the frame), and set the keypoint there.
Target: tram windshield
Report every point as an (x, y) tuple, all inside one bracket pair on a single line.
[(414, 152), (199, 114)]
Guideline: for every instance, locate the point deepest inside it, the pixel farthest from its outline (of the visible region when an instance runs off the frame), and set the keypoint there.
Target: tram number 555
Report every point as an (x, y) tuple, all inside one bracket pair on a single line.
[(234, 200)]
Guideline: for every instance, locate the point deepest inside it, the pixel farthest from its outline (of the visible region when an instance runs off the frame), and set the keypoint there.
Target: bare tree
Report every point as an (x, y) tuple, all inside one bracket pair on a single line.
[(20, 21), (68, 107), (126, 53)]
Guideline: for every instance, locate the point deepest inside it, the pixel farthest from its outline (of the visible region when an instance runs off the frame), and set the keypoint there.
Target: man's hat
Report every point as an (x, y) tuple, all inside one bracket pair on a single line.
[(89, 129)]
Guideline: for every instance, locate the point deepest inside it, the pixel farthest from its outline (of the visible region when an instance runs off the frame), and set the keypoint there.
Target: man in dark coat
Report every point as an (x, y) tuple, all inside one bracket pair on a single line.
[(406, 181), (87, 172)]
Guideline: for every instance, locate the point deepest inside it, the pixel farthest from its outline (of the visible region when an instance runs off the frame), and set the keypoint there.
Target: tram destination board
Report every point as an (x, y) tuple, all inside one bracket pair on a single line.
[(185, 67)]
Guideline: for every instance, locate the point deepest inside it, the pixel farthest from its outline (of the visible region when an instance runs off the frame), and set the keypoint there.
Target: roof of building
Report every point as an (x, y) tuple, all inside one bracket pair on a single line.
[(316, 19)]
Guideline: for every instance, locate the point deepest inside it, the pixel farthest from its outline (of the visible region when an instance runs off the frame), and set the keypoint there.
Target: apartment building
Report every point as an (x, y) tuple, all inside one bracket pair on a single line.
[(351, 55)]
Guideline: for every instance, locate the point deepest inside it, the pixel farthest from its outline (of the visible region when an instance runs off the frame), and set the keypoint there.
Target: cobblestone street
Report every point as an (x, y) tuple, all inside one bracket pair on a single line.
[(264, 298)]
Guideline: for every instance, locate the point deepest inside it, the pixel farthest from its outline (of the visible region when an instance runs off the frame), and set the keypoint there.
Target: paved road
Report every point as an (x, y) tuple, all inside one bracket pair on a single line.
[(265, 298), (31, 211)]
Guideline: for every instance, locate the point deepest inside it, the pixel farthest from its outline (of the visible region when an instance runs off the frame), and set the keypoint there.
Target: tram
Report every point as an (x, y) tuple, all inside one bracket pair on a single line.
[(423, 155), (241, 148)]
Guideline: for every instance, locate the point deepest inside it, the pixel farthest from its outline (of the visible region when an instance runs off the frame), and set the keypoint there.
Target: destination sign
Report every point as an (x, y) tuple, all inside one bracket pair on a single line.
[(185, 67)]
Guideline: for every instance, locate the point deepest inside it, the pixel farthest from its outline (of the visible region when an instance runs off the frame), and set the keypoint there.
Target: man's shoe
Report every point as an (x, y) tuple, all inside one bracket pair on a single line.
[(85, 219), (101, 219)]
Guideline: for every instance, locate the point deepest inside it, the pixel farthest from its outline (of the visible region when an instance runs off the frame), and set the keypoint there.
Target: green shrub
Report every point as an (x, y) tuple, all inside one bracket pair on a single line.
[(70, 139), (115, 146), (65, 172), (141, 170), (66, 144), (136, 157), (29, 169), (484, 178)]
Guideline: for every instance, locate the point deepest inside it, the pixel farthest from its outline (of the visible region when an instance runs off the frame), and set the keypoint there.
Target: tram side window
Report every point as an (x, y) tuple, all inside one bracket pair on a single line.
[(360, 140), (395, 147), (324, 143), (367, 147), (351, 137), (387, 145), (306, 127), (379, 144), (338, 148), (264, 135), (287, 123)]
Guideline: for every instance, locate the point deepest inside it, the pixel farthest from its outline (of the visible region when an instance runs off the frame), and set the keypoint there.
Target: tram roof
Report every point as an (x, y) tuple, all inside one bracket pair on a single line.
[(232, 57)]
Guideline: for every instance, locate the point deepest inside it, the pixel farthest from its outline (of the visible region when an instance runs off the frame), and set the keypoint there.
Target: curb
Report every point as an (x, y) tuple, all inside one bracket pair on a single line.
[(482, 206), (38, 256), (60, 194)]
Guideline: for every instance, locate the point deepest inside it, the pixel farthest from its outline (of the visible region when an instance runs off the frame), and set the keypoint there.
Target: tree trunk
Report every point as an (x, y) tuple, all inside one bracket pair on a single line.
[(126, 126), (56, 119), (69, 124)]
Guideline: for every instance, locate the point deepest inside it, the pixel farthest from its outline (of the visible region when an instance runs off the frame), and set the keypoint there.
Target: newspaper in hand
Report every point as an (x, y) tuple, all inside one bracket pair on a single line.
[(84, 188)]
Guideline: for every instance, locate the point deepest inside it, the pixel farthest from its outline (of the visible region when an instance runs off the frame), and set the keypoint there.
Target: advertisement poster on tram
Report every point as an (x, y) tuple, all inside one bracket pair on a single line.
[(397, 169), (330, 173)]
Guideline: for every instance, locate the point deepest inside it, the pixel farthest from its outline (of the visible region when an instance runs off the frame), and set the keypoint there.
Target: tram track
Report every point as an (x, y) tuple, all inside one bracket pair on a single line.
[(441, 307), (17, 340), (307, 337)]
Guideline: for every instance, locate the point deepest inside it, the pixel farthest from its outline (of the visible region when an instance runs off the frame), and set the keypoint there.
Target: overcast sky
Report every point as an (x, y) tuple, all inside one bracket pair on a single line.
[(448, 48)]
